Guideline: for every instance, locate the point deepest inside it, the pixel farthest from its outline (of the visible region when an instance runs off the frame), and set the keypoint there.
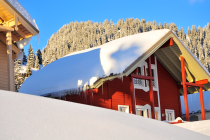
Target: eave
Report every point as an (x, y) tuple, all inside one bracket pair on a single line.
[(169, 58)]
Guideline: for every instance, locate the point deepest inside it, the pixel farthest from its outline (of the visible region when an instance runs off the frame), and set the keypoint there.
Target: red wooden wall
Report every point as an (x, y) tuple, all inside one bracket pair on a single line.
[(169, 97), (120, 94)]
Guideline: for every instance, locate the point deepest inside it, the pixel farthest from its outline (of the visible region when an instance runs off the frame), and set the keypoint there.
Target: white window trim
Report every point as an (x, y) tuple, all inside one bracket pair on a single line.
[(127, 106), (144, 108), (157, 109), (170, 111), (146, 88)]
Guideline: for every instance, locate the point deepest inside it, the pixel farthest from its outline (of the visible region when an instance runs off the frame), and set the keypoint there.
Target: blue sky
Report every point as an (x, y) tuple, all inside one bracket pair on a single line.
[(51, 15)]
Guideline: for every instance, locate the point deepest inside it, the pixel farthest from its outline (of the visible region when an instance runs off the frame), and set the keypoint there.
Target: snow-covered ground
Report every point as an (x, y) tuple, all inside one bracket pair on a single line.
[(113, 57), (194, 102), (31, 117), (23, 68), (202, 127)]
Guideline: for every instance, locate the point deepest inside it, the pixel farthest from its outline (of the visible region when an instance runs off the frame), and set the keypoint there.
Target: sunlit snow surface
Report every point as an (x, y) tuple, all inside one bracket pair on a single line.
[(113, 57), (28, 117)]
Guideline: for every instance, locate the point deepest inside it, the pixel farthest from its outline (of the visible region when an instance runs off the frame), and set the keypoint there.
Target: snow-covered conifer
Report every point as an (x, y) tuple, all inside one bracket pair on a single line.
[(37, 63), (31, 60)]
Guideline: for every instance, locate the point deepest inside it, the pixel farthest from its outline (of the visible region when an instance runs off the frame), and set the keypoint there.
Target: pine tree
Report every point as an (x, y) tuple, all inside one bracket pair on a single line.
[(31, 60), (17, 69), (39, 54), (37, 63)]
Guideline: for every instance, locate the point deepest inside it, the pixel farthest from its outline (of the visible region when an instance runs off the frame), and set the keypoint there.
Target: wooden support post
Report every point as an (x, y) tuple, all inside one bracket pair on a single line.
[(133, 97), (151, 89), (184, 88), (202, 104), (10, 63)]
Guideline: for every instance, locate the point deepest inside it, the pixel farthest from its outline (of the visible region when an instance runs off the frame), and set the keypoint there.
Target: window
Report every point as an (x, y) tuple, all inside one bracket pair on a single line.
[(144, 111), (123, 108), (157, 111), (139, 71), (152, 70), (170, 116)]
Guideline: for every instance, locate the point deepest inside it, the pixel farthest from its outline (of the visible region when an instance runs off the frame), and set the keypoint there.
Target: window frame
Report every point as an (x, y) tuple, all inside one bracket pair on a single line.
[(144, 109), (124, 106), (170, 111)]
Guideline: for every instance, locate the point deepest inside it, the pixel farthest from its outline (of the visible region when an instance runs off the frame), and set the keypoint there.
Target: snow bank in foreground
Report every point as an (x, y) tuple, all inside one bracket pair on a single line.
[(194, 102), (113, 57), (32, 117), (202, 127)]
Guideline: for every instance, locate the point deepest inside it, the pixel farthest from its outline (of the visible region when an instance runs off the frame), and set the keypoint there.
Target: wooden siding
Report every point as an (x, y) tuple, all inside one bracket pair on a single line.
[(117, 92), (3, 67), (169, 98)]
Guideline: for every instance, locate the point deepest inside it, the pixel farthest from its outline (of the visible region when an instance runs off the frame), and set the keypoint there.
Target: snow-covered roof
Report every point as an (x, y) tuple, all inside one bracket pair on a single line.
[(120, 56), (113, 57), (29, 117), (23, 11)]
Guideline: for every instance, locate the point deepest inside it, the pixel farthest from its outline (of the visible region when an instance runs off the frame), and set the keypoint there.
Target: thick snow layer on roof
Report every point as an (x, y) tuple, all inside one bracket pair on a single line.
[(113, 57), (194, 102), (23, 11), (29, 117)]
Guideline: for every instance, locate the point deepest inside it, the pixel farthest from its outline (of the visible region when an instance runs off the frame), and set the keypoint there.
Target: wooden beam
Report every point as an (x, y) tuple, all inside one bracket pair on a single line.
[(13, 23), (202, 103), (167, 44), (151, 94), (133, 97), (179, 67), (22, 34), (5, 28), (10, 62), (3, 16), (14, 48), (185, 88), (142, 77), (15, 38), (192, 84), (204, 81)]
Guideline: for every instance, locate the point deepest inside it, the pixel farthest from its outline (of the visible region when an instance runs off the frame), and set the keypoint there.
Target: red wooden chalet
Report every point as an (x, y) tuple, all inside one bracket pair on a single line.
[(152, 84), (153, 87)]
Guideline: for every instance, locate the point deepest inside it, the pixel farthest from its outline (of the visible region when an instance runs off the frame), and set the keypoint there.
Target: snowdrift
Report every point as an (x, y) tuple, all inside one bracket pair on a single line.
[(32, 117), (76, 70)]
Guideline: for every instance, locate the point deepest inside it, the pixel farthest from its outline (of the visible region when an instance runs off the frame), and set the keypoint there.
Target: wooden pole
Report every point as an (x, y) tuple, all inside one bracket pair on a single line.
[(202, 104), (10, 63), (184, 88), (133, 97), (151, 89)]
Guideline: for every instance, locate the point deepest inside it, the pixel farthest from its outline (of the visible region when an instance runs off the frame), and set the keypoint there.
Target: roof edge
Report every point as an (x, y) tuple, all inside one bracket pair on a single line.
[(22, 16), (149, 52)]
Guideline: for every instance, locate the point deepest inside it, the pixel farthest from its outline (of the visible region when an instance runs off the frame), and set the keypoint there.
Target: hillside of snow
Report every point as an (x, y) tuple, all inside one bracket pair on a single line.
[(29, 117), (77, 69), (23, 68)]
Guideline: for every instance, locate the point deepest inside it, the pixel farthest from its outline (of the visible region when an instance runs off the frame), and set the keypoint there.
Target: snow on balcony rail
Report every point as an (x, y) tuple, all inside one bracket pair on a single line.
[(23, 11)]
